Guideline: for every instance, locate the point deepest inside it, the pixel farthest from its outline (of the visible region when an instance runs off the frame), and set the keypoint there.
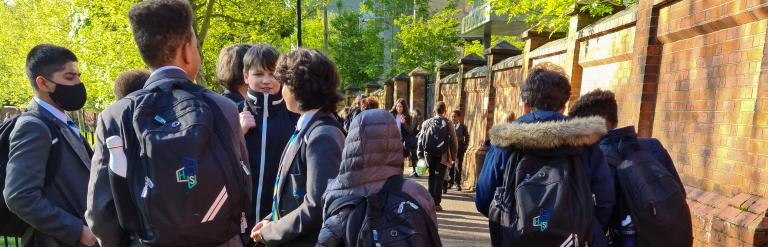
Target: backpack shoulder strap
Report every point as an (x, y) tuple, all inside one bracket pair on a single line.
[(393, 184), (341, 203), (52, 165)]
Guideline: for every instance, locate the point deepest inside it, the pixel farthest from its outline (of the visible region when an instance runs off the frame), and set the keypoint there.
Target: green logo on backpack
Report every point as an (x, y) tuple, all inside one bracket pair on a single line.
[(187, 173)]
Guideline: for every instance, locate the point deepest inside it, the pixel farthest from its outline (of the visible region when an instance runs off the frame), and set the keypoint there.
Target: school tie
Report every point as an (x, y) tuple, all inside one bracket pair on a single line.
[(275, 217), (73, 127)]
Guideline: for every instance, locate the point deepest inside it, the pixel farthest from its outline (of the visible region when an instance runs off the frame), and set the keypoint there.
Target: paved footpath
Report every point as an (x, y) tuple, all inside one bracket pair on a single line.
[(459, 223)]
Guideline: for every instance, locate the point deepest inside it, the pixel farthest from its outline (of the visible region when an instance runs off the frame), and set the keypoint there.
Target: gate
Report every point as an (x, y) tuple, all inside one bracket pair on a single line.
[(429, 98)]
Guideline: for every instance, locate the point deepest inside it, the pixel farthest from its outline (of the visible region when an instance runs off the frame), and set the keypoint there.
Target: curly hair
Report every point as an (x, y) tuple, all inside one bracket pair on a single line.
[(546, 88), (159, 28), (312, 78), (596, 103), (129, 81)]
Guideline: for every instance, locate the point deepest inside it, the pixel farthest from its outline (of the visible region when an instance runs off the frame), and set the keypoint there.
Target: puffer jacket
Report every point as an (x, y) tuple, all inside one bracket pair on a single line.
[(554, 132), (372, 153)]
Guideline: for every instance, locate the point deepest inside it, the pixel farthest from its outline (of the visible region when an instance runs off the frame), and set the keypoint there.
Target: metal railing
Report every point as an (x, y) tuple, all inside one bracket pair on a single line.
[(10, 241)]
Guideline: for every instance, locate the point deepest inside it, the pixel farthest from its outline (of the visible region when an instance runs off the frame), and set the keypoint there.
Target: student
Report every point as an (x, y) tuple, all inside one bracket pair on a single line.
[(200, 196), (416, 129), (44, 143), (438, 145), (129, 81), (369, 103), (229, 72), (462, 135), (372, 134), (313, 154), (544, 133), (404, 124), (354, 110), (277, 122), (603, 103)]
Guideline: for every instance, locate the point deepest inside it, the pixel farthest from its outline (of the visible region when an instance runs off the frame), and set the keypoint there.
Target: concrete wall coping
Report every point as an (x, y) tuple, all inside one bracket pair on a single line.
[(621, 19), (510, 62), (452, 78), (553, 47), (477, 72)]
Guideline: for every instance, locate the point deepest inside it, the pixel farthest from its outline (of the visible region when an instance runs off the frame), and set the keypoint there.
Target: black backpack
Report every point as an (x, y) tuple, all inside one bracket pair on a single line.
[(653, 196), (184, 184), (388, 218), (10, 224), (545, 200), (436, 136)]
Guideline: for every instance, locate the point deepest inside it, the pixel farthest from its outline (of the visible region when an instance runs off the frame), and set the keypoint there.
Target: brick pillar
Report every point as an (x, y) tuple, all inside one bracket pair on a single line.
[(444, 70), (534, 39), (371, 87), (572, 68), (417, 89), (473, 159), (466, 64), (401, 87), (388, 94), (646, 60)]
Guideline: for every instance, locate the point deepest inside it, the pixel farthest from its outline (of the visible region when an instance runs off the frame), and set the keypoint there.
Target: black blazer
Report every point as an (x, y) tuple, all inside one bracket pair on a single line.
[(305, 168), (55, 211)]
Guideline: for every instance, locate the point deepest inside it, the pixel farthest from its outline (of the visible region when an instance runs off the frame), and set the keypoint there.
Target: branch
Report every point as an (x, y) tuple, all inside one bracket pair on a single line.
[(232, 19)]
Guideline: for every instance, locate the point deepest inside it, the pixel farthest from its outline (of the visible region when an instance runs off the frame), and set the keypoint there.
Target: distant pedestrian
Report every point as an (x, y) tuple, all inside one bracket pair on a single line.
[(369, 103), (404, 123), (438, 145), (462, 134)]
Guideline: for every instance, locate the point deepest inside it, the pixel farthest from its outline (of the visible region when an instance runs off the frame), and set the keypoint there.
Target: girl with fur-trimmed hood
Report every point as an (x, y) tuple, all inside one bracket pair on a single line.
[(545, 129)]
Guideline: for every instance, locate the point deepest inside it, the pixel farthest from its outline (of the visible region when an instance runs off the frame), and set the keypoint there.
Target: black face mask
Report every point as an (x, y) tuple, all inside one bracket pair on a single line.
[(69, 97)]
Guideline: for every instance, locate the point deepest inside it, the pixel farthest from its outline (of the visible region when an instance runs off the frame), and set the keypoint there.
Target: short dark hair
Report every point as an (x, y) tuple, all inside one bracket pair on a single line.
[(262, 55), (546, 88), (160, 27), (46, 59), (229, 67), (312, 78), (457, 112), (440, 107), (129, 81), (596, 103)]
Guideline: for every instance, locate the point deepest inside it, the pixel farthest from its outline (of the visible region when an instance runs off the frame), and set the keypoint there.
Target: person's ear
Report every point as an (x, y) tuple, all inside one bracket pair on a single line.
[(186, 53), (41, 84)]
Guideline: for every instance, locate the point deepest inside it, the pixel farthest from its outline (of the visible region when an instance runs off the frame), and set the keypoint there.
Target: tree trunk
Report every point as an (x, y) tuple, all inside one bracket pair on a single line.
[(200, 79)]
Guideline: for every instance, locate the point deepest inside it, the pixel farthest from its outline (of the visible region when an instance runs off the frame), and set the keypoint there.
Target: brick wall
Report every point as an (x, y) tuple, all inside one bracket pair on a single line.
[(475, 119), (691, 73)]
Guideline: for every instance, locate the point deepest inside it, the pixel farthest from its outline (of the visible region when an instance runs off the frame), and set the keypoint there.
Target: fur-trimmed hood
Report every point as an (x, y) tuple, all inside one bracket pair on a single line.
[(574, 132)]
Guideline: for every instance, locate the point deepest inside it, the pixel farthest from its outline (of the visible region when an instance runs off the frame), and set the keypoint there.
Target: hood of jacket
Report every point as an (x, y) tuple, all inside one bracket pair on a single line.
[(372, 153), (548, 130)]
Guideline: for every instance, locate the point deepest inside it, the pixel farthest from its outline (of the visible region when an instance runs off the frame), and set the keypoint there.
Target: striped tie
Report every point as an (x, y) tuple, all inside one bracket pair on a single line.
[(275, 217)]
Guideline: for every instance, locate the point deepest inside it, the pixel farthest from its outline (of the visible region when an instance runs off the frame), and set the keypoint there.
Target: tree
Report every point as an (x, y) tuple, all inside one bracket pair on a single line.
[(357, 49), (552, 15), (426, 42), (477, 47)]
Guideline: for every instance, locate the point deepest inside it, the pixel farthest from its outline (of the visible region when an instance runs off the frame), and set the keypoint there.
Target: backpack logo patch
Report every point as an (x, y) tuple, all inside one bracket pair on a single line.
[(542, 221), (188, 172)]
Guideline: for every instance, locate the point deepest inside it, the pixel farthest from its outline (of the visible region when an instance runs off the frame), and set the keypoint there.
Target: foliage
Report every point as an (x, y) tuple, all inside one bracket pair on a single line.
[(359, 52), (552, 15), (476, 46), (426, 42), (98, 32)]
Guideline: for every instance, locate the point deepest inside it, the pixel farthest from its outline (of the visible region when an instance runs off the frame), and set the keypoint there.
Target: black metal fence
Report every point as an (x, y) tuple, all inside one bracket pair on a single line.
[(10, 242)]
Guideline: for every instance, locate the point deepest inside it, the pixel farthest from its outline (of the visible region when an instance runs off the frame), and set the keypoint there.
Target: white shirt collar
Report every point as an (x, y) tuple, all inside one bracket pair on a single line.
[(304, 119), (53, 110), (158, 70)]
